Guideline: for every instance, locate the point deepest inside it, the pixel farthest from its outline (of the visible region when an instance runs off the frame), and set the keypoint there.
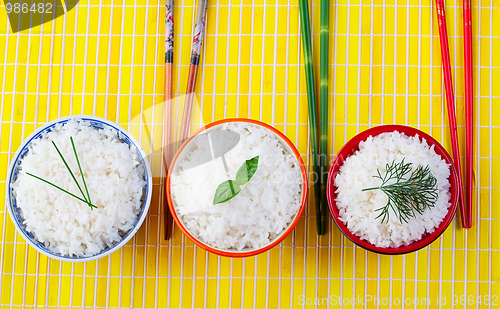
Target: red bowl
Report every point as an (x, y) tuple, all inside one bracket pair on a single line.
[(350, 148), (240, 253)]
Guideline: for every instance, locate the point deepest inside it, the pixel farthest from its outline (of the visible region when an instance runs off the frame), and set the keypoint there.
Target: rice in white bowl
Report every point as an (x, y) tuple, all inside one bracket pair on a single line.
[(357, 208), (114, 177), (263, 209)]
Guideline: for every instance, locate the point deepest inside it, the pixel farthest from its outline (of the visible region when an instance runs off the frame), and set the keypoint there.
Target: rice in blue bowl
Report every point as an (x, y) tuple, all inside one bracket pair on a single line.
[(83, 218)]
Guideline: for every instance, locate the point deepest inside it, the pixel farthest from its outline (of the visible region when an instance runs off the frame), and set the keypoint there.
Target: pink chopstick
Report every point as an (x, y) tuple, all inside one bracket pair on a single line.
[(469, 123), (450, 100)]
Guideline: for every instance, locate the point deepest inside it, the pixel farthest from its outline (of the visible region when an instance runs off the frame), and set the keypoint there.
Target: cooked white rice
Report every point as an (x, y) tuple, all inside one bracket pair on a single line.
[(260, 212), (357, 208), (114, 177)]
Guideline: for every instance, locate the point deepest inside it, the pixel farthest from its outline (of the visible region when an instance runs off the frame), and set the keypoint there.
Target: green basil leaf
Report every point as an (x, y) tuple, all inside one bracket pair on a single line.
[(226, 191), (247, 170)]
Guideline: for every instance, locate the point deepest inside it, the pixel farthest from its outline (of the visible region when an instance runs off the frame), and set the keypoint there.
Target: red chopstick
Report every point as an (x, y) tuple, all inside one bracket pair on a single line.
[(469, 123), (450, 100)]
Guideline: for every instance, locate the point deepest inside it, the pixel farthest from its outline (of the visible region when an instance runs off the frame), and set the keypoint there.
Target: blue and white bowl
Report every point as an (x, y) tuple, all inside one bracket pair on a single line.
[(13, 171)]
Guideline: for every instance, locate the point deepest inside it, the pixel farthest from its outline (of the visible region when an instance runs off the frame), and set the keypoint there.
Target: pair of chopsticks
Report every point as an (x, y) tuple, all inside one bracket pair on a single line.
[(469, 123), (465, 203), (198, 35), (318, 156)]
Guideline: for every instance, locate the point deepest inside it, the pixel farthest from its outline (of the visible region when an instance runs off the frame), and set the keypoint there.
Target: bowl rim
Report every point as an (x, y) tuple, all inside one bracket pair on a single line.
[(350, 147), (290, 227), (146, 203)]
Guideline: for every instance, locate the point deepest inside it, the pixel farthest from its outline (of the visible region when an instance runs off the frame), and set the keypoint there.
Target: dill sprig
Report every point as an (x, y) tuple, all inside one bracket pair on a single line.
[(85, 199), (406, 196)]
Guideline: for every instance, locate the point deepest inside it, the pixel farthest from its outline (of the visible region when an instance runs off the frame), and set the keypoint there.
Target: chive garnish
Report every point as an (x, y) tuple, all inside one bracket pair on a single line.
[(67, 166), (80, 168), (67, 192), (88, 202)]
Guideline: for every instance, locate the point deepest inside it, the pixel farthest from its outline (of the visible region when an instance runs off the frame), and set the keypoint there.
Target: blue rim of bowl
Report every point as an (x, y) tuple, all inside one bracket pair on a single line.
[(23, 150)]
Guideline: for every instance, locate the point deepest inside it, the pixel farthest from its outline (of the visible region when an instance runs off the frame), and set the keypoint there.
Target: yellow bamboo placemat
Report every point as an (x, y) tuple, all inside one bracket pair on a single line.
[(105, 58)]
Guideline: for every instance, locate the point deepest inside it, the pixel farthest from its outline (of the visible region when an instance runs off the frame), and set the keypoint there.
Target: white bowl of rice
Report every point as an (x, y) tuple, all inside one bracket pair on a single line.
[(259, 216), (392, 189), (91, 215)]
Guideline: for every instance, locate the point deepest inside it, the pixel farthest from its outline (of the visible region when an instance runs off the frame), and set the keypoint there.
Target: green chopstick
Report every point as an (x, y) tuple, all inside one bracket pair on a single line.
[(307, 50), (323, 97)]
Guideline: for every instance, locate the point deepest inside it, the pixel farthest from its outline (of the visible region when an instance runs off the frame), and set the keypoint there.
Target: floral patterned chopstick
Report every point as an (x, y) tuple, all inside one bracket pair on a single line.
[(167, 108), (198, 35)]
